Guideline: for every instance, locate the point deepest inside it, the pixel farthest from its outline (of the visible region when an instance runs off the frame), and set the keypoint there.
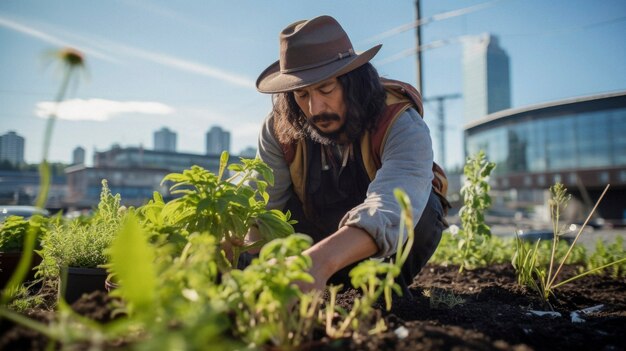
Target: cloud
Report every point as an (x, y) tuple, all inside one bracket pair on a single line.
[(99, 109)]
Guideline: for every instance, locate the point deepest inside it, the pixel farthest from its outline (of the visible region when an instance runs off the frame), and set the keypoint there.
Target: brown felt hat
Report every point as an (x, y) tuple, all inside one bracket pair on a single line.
[(310, 52)]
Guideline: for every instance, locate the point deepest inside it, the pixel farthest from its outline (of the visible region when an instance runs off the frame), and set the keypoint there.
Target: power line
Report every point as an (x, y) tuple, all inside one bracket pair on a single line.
[(434, 18), (443, 42), (568, 29)]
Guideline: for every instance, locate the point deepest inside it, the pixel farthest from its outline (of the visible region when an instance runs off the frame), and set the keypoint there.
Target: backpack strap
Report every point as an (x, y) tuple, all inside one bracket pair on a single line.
[(400, 97)]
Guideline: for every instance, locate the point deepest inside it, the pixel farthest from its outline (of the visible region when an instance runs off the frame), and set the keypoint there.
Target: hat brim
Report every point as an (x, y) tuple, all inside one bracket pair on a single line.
[(271, 80)]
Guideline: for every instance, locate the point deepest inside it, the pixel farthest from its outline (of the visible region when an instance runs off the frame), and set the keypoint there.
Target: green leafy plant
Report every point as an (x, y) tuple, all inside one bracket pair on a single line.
[(495, 250), (225, 208), (263, 295), (527, 262), (171, 298), (605, 254), (15, 228), (471, 245), (79, 242)]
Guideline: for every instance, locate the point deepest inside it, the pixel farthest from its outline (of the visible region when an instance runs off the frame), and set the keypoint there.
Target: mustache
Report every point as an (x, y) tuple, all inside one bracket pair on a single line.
[(325, 117)]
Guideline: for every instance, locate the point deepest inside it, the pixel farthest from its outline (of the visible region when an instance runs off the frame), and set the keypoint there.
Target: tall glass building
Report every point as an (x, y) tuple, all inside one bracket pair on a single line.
[(486, 77), (217, 140), (165, 140), (12, 148), (580, 142)]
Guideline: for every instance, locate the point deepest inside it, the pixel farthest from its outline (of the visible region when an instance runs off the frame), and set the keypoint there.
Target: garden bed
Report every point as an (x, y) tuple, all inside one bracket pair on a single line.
[(493, 316)]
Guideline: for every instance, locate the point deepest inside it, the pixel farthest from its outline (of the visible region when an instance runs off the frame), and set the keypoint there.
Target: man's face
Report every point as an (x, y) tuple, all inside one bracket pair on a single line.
[(324, 107)]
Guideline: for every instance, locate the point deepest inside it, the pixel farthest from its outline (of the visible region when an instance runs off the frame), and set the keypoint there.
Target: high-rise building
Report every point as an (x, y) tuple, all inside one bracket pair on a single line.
[(248, 152), (78, 156), (12, 148), (217, 140), (165, 140), (486, 77)]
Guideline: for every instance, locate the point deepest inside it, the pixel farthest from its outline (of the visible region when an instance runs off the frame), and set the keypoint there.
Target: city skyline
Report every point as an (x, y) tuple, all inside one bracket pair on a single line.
[(192, 66), (164, 139)]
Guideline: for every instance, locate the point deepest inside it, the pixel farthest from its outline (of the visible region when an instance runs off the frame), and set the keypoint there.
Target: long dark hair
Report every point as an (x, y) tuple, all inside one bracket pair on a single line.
[(363, 95)]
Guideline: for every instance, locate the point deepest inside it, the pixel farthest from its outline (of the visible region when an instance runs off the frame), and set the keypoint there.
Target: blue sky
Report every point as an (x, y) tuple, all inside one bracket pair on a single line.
[(189, 65)]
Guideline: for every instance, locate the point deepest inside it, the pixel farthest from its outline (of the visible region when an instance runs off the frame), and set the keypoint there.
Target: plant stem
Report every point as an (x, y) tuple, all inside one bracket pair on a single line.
[(577, 236), (42, 197), (589, 272), (555, 237), (44, 168)]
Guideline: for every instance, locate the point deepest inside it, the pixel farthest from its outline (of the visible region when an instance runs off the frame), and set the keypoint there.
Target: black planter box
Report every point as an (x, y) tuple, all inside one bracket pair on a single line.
[(9, 262), (81, 281)]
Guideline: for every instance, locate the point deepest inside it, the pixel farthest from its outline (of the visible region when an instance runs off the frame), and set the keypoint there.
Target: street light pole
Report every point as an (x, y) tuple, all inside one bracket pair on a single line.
[(418, 39), (441, 125)]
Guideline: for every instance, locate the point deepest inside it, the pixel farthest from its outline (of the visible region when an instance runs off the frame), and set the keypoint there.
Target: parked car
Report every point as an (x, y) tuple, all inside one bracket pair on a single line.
[(541, 234), (23, 211)]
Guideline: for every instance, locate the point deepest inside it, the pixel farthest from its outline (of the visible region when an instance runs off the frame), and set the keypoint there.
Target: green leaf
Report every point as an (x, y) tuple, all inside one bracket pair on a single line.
[(223, 163), (132, 261)]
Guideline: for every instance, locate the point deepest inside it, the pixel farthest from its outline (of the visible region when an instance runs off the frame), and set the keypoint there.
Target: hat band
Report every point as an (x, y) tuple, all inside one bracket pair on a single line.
[(340, 56)]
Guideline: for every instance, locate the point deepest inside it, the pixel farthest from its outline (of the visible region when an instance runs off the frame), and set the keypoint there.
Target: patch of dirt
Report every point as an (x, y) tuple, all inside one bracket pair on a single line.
[(494, 315)]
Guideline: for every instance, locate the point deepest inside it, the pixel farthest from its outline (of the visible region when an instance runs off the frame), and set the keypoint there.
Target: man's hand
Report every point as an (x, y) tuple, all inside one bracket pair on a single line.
[(344, 247)]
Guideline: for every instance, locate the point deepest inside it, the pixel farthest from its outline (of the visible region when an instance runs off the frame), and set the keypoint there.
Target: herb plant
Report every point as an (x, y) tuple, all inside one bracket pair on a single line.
[(527, 263), (605, 254), (82, 243), (175, 295), (471, 245), (227, 208), (14, 229), (263, 295)]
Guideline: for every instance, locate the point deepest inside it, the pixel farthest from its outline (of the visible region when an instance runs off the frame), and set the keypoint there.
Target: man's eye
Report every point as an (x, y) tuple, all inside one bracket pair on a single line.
[(301, 94), (327, 90)]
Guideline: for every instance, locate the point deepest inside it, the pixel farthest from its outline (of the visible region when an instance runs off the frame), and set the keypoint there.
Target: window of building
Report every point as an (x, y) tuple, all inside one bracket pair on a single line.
[(528, 180), (604, 177), (541, 180), (556, 178), (505, 182), (572, 178)]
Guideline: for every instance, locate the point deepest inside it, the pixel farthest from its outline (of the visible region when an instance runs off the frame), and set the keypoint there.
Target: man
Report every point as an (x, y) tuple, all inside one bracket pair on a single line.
[(331, 114)]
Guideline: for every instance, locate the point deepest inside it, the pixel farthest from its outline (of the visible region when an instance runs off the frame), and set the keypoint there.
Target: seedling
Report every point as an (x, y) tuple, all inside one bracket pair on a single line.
[(438, 297), (527, 265), (476, 200), (374, 278)]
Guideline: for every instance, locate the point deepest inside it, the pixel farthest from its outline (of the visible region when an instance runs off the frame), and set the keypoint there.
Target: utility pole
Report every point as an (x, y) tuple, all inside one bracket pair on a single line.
[(441, 126), (418, 40)]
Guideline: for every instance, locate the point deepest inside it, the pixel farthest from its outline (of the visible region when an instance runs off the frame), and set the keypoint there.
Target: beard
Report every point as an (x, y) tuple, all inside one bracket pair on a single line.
[(351, 128), (318, 136)]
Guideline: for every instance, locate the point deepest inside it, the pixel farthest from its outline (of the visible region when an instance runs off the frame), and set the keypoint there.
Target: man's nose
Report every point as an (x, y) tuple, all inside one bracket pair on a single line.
[(316, 105)]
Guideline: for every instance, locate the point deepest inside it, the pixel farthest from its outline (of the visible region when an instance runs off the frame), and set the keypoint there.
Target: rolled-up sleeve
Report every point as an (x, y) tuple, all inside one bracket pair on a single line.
[(407, 164), (270, 152)]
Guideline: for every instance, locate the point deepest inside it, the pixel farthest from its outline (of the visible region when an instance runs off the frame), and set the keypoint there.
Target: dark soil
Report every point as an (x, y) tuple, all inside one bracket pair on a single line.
[(494, 316)]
